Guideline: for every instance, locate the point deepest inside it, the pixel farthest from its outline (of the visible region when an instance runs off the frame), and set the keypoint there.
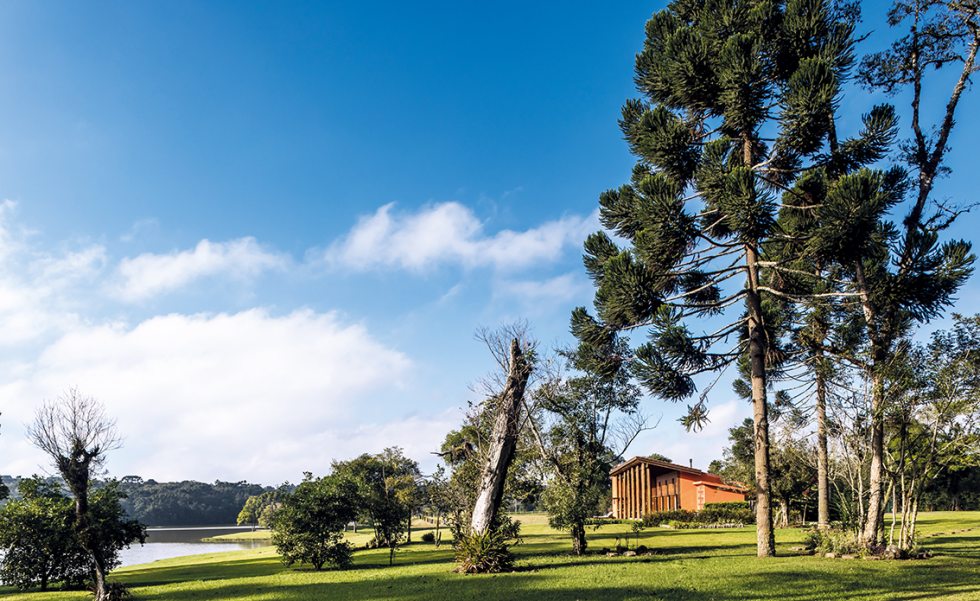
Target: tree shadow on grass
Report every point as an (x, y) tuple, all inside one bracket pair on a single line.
[(862, 582), (442, 587)]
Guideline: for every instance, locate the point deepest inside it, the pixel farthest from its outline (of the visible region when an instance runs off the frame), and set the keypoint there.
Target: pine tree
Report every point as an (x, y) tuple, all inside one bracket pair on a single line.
[(738, 98)]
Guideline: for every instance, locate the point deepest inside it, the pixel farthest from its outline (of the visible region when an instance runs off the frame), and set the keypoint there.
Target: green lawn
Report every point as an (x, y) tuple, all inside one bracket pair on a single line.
[(689, 564)]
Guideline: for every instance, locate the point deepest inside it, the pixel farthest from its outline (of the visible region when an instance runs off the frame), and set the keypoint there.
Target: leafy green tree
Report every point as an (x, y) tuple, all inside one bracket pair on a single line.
[(309, 526), (903, 274), (737, 104), (935, 417), (387, 489), (582, 424), (37, 542)]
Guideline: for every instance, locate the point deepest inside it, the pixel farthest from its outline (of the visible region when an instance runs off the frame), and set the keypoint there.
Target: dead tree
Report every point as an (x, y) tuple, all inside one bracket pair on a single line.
[(503, 441), (75, 432)]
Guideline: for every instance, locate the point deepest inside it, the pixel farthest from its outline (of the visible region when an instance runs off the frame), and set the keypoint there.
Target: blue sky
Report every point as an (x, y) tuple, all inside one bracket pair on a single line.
[(264, 233)]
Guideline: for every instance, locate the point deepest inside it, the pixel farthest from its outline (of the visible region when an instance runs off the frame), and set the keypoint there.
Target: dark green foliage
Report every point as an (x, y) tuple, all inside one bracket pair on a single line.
[(110, 529), (40, 545), (713, 515), (579, 420), (429, 537), (37, 539), (388, 487), (485, 553), (186, 503), (309, 526)]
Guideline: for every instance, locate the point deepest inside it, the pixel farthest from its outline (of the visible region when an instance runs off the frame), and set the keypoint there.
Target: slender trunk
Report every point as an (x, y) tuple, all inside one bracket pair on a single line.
[(784, 513), (758, 349), (502, 444), (891, 530), (823, 490), (438, 531), (758, 343), (872, 525), (874, 516)]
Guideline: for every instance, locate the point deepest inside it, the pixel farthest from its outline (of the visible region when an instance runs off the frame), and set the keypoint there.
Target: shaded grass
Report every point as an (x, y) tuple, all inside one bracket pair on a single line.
[(687, 565)]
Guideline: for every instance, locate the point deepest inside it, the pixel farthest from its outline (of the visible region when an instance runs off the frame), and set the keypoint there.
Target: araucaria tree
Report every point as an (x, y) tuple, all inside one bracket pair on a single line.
[(737, 103), (909, 277), (76, 434)]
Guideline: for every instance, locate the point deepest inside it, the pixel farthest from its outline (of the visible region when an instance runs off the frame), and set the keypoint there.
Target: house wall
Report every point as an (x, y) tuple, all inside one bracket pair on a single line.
[(718, 495)]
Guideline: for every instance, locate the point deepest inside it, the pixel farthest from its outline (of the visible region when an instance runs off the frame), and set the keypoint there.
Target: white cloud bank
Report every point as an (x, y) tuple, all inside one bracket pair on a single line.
[(450, 233), (150, 274), (244, 395)]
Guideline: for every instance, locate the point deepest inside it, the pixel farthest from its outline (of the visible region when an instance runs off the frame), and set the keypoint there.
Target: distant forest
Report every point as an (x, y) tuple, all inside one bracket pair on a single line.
[(184, 503)]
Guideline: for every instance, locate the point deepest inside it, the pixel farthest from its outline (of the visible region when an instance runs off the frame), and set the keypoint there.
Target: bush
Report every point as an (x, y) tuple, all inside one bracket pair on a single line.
[(839, 542), (484, 553), (429, 537), (714, 515)]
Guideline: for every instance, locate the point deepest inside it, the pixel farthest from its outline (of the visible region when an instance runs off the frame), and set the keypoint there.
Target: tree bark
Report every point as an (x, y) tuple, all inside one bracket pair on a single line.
[(579, 543), (503, 442), (875, 514), (823, 489), (758, 349), (758, 346)]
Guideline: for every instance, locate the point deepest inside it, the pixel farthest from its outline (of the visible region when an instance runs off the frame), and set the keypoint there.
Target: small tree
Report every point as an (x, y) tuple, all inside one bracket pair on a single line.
[(309, 526), (582, 424), (75, 432), (387, 485)]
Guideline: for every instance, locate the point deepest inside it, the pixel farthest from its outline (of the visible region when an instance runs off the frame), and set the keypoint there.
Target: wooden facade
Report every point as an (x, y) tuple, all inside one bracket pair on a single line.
[(643, 485)]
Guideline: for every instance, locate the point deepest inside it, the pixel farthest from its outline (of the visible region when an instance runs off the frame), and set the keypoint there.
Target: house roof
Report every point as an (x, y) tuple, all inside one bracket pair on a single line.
[(674, 467)]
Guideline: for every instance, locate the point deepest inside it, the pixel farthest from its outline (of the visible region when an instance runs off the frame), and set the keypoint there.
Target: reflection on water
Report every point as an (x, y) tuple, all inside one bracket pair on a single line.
[(164, 543)]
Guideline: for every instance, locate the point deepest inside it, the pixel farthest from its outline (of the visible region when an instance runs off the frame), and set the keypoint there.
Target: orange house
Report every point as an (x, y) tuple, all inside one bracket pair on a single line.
[(643, 485)]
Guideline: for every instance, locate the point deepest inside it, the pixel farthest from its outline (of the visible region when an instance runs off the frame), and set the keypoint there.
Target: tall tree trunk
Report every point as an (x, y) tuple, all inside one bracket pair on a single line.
[(875, 515), (503, 442), (784, 513), (823, 488), (758, 347)]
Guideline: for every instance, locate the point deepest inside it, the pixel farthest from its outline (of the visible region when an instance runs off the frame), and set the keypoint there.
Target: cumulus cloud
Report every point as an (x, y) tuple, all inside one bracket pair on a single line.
[(242, 395), (450, 233), (149, 274)]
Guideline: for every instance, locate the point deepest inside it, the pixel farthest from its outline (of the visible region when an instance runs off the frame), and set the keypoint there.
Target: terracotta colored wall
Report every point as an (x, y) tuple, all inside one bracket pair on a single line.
[(714, 495), (689, 492)]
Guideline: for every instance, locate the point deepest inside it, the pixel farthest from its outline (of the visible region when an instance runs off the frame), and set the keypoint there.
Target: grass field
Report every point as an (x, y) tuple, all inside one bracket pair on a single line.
[(688, 564)]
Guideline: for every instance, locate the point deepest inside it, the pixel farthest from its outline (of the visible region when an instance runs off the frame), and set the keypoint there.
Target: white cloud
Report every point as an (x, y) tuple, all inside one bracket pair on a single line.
[(560, 288), (150, 274), (450, 233), (243, 395)]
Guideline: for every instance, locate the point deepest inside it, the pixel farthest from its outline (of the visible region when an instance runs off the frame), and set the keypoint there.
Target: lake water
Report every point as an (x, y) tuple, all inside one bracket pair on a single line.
[(164, 543)]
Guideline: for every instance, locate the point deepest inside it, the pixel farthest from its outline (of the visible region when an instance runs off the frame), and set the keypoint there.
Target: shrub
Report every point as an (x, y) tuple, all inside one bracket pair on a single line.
[(429, 537), (727, 513), (489, 552), (839, 542), (713, 515)]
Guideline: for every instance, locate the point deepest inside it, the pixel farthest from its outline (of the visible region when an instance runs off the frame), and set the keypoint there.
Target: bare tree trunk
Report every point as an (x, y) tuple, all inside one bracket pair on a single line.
[(503, 442), (784, 513), (872, 525), (758, 346), (823, 490)]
